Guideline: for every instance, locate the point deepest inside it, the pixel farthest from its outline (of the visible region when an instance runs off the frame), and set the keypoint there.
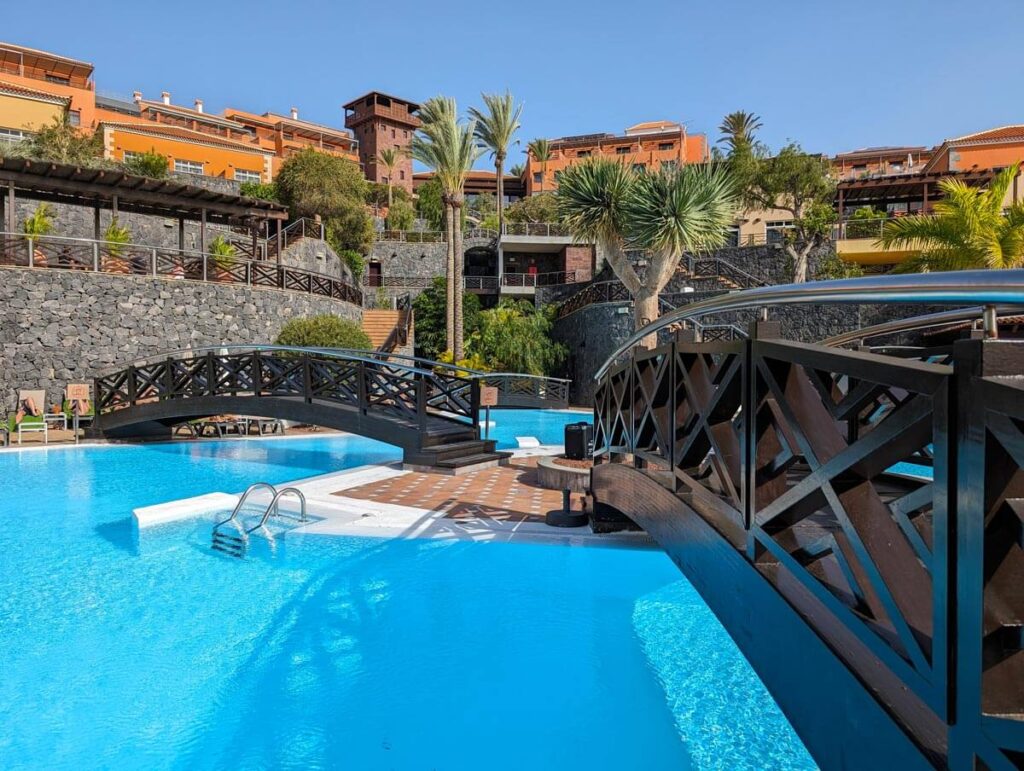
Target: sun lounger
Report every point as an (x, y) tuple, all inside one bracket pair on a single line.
[(31, 423)]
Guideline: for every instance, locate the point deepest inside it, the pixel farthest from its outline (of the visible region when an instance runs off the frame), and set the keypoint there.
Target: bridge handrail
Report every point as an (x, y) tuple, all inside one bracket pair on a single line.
[(915, 323), (968, 287)]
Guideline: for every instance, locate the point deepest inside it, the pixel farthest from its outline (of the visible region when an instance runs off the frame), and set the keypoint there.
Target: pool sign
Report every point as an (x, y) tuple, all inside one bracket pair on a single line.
[(79, 391), (488, 396)]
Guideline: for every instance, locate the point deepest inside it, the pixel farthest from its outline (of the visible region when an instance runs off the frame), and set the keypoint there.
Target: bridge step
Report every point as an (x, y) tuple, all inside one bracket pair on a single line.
[(476, 462)]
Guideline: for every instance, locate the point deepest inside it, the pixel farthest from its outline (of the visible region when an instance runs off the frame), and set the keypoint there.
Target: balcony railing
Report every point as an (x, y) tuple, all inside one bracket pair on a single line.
[(433, 236), (88, 255), (539, 279), (480, 283), (535, 229)]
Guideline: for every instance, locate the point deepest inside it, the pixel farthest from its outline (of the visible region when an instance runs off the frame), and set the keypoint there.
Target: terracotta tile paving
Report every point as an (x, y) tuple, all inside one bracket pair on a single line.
[(507, 493)]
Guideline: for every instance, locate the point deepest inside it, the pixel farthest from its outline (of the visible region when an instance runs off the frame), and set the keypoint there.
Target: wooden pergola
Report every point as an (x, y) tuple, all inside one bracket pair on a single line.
[(117, 191), (903, 188)]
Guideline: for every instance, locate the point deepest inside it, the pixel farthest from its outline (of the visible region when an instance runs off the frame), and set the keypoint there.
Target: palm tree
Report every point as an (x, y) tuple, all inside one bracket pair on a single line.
[(517, 170), (389, 158), (665, 213), (541, 152), (738, 128), (495, 129), (969, 229), (448, 147)]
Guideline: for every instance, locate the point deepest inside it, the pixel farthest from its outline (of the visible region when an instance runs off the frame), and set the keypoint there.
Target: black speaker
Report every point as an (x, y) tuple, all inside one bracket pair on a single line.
[(578, 439)]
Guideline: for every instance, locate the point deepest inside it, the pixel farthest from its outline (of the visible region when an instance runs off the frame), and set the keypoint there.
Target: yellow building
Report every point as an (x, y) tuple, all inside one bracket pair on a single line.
[(24, 110)]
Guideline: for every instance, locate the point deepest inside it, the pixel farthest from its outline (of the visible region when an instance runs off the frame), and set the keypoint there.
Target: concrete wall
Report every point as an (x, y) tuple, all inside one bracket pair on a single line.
[(58, 327)]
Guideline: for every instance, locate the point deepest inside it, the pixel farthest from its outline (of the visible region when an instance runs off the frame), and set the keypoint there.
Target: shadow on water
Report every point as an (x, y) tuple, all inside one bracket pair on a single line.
[(122, 533), (286, 454)]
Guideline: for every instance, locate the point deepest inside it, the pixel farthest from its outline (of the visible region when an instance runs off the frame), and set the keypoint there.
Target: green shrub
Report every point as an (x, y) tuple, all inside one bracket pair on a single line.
[(223, 252), (355, 261), (866, 222), (117, 236), (377, 194), (516, 337), (542, 207), (401, 216), (324, 331), (834, 266), (39, 222), (264, 191), (430, 311), (148, 164)]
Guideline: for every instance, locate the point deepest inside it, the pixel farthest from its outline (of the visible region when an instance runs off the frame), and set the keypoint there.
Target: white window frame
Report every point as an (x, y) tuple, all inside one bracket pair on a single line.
[(776, 226), (247, 175), (182, 166), (14, 135)]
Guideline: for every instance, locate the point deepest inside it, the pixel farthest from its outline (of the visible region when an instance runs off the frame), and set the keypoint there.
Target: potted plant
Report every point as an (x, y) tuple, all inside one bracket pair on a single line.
[(37, 224), (115, 240), (222, 258)]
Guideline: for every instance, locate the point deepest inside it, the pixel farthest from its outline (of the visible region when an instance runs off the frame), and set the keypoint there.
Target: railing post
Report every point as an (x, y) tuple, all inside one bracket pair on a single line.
[(421, 402), (31, 253), (474, 408), (95, 257), (307, 379), (248, 274), (204, 266), (169, 378), (361, 382), (257, 374), (131, 384), (153, 262), (211, 375)]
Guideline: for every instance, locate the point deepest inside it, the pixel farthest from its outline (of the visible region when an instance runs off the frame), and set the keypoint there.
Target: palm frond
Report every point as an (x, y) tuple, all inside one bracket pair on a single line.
[(593, 197), (497, 125)]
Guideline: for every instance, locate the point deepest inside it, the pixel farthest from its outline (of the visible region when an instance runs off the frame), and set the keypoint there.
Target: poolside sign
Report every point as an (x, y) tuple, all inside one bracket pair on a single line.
[(488, 396), (77, 391)]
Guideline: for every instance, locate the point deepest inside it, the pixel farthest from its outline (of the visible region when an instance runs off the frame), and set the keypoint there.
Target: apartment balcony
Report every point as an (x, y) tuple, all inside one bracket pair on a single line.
[(857, 240)]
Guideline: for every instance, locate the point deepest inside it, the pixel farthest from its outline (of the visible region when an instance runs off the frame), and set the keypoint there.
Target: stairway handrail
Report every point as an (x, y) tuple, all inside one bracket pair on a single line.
[(967, 287)]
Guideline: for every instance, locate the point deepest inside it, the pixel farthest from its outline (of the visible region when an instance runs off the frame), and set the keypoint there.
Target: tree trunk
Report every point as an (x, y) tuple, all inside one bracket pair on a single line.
[(458, 260), (799, 257), (450, 277), (499, 166), (389, 194), (645, 310)]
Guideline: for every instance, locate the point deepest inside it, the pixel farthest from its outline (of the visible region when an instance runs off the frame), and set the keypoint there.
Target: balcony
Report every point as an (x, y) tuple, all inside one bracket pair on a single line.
[(857, 240)]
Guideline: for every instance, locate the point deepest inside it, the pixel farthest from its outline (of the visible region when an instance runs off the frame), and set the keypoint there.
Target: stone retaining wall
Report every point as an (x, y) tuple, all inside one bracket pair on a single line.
[(58, 327)]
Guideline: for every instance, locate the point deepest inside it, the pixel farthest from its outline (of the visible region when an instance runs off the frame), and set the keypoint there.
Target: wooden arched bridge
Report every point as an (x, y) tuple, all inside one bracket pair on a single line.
[(855, 518), (429, 409)]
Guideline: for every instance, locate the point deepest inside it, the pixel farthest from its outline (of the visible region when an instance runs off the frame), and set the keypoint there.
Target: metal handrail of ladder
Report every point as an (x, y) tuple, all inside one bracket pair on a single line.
[(273, 507), (241, 502)]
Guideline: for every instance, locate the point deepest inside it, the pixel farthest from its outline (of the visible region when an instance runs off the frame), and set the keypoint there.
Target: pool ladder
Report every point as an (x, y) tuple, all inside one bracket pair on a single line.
[(234, 544)]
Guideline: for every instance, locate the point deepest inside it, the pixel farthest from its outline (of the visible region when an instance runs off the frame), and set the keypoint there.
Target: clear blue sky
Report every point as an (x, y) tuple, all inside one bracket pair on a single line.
[(833, 76)]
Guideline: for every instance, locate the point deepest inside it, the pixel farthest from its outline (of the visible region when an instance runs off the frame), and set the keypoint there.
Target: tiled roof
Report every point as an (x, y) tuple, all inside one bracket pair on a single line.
[(187, 135), (1002, 132), (16, 90)]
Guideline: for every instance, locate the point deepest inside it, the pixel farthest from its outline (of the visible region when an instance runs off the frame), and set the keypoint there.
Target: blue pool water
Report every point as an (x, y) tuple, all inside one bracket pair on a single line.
[(147, 651)]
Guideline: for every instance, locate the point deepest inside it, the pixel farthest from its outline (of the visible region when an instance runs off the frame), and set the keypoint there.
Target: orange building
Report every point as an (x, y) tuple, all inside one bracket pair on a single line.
[(880, 161), (285, 136), (193, 141), (52, 75), (992, 149), (652, 145)]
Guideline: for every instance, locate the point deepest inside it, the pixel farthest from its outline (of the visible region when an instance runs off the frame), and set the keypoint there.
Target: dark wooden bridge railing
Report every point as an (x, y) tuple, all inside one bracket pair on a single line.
[(888, 489), (385, 388)]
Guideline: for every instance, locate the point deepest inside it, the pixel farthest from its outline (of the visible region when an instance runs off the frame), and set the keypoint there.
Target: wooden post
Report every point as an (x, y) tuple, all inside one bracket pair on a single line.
[(924, 202), (279, 239), (113, 206), (96, 233), (181, 234), (202, 230), (252, 228)]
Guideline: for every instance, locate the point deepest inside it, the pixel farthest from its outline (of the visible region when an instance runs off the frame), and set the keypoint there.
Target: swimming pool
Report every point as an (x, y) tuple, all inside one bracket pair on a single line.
[(123, 651)]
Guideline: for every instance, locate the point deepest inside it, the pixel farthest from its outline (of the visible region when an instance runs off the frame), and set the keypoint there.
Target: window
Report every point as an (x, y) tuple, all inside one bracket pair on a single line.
[(583, 154), (666, 145), (537, 177), (13, 135), (392, 133), (244, 175), (669, 164), (775, 232), (188, 167), (622, 150), (288, 135), (401, 173), (732, 237), (58, 79), (75, 117), (405, 133), (384, 180)]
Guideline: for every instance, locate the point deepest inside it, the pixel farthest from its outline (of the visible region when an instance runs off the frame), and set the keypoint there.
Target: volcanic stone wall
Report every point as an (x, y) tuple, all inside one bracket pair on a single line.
[(58, 327)]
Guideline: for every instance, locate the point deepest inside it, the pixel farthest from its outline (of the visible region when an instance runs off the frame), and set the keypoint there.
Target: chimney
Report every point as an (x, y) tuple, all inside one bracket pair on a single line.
[(165, 97), (295, 113), (137, 96), (199, 105)]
